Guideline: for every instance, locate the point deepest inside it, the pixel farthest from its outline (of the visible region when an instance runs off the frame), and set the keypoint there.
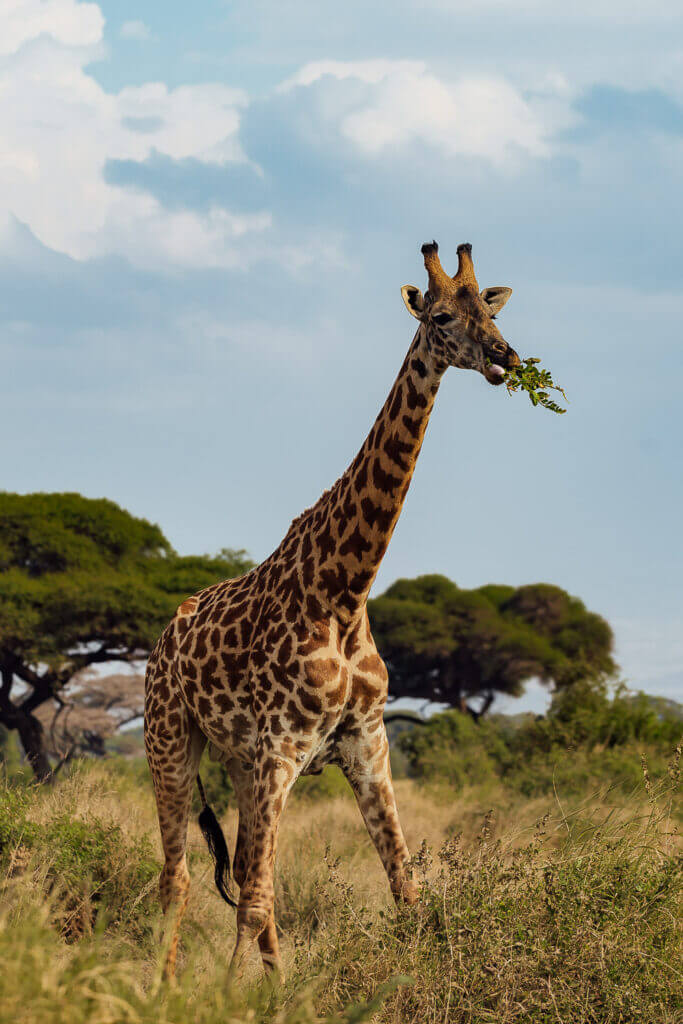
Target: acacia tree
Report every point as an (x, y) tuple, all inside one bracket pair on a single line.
[(82, 582), (448, 645), (89, 710)]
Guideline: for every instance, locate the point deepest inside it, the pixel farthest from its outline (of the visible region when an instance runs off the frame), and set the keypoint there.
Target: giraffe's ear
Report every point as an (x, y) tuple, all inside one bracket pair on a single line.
[(495, 298), (414, 300)]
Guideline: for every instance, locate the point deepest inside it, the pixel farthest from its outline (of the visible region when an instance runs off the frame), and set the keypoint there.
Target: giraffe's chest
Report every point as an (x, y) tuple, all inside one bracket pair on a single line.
[(358, 726)]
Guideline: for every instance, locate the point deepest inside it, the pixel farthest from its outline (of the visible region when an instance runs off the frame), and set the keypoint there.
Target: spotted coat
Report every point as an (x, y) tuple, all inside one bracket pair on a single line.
[(278, 669)]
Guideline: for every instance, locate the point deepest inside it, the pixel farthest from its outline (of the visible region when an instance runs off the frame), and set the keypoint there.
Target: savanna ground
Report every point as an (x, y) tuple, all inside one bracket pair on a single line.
[(550, 892)]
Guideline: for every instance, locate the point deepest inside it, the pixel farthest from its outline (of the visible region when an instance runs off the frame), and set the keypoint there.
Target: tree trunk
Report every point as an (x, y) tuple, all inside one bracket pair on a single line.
[(451, 688), (33, 741)]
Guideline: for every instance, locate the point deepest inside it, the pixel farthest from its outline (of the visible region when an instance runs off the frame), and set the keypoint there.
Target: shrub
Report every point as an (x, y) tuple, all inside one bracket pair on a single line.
[(587, 739), (217, 785), (451, 746), (328, 785), (586, 714), (579, 924), (82, 865)]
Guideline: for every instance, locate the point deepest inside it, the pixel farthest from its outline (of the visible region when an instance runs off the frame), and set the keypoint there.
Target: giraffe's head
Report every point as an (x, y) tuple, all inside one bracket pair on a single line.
[(459, 319)]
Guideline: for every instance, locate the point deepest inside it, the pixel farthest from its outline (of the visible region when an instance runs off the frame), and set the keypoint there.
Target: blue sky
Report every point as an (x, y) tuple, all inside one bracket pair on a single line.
[(206, 216)]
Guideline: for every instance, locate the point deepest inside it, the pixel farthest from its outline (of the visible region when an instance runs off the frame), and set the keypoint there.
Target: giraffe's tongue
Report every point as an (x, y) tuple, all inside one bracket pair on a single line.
[(495, 374)]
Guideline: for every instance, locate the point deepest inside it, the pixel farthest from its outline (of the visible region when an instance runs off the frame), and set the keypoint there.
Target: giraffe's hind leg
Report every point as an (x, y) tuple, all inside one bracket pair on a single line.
[(243, 783), (273, 778), (174, 747)]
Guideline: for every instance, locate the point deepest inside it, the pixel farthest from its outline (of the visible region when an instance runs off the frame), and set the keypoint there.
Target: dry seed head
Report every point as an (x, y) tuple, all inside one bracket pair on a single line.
[(451, 853), (646, 775), (540, 828), (486, 828), (674, 766), (422, 860)]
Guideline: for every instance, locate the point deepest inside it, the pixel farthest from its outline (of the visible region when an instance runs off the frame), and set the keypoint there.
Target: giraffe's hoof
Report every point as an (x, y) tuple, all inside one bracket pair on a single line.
[(408, 893)]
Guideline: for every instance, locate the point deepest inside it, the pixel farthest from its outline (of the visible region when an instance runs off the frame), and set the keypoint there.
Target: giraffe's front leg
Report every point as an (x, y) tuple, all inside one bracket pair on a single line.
[(366, 766), (273, 778)]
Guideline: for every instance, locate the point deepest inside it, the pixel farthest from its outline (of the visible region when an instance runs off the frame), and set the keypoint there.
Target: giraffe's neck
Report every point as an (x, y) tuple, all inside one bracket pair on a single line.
[(352, 524)]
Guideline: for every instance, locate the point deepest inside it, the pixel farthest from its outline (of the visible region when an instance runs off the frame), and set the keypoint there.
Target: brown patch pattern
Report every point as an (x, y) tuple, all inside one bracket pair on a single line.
[(278, 669)]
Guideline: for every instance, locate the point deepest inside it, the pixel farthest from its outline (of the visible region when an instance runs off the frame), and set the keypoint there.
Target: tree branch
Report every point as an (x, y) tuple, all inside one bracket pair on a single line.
[(132, 718), (77, 662), (25, 673), (41, 693), (404, 716)]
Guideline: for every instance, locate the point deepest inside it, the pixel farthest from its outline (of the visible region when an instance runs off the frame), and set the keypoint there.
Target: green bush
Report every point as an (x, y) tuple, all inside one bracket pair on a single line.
[(329, 785), (217, 785), (586, 714), (451, 746), (580, 771), (587, 739), (10, 758), (129, 772), (82, 865)]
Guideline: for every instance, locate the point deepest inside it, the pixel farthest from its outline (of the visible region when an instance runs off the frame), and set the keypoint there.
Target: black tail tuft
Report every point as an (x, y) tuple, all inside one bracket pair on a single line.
[(218, 848)]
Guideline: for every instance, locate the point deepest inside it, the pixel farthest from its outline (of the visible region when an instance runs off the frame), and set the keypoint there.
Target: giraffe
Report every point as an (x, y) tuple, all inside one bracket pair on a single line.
[(277, 669)]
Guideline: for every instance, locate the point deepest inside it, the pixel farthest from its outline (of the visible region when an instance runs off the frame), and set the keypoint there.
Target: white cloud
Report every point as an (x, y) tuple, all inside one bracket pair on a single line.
[(369, 71), (401, 103), (60, 128), (65, 21), (135, 30), (150, 235)]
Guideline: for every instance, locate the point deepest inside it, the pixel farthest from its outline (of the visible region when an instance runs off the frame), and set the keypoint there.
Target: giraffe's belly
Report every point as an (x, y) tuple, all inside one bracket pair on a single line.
[(317, 709), (328, 754), (357, 735), (237, 713)]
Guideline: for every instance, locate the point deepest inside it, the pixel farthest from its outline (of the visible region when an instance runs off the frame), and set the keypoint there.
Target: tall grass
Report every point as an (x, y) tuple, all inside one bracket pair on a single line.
[(554, 906)]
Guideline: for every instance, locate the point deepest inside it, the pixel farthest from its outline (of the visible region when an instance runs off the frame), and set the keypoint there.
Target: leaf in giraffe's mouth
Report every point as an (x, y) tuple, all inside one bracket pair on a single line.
[(536, 382)]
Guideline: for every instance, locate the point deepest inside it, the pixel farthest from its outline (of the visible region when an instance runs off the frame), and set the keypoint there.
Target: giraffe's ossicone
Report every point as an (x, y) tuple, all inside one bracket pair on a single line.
[(278, 669)]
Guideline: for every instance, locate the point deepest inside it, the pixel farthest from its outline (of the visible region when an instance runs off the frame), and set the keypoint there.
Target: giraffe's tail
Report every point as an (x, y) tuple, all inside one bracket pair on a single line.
[(218, 848)]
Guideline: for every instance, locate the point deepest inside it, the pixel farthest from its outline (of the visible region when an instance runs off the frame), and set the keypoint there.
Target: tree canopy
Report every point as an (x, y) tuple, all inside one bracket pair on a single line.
[(447, 645), (82, 582)]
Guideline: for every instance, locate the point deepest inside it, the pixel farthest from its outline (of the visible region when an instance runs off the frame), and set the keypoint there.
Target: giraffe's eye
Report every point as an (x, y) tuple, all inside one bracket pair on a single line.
[(442, 319)]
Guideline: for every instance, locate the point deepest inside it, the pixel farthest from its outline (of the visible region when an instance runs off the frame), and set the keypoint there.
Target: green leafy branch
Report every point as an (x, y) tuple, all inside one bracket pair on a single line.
[(536, 382)]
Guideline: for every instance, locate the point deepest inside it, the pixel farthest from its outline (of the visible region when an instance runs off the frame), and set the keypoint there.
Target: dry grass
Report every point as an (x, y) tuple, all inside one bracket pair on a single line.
[(548, 909)]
